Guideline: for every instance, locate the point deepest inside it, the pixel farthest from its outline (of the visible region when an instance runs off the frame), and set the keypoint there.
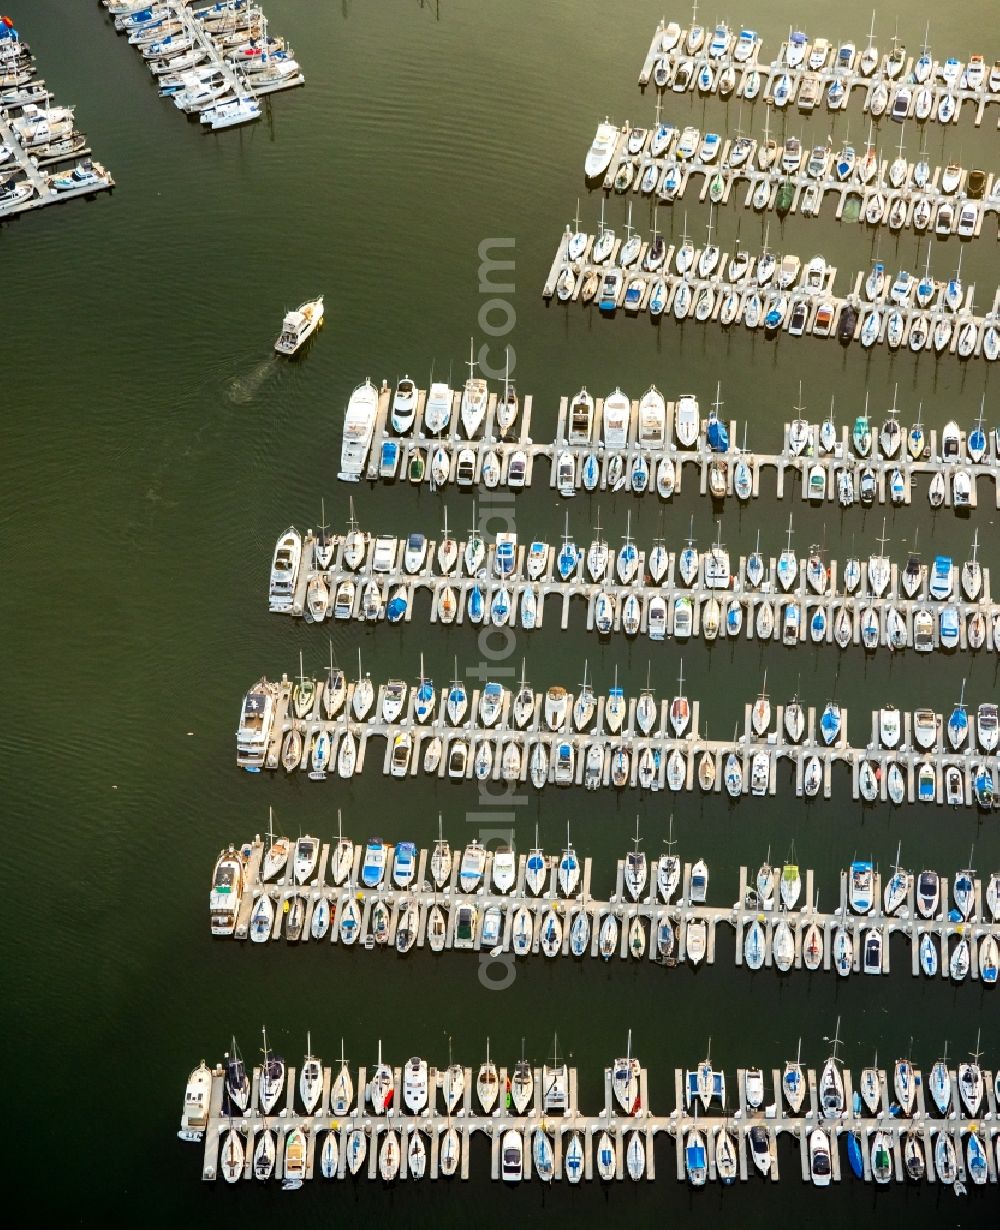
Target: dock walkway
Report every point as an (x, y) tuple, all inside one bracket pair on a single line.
[(802, 87), (923, 205), (799, 310), (608, 755), (584, 461), (22, 159), (753, 1132), (655, 927), (816, 606)]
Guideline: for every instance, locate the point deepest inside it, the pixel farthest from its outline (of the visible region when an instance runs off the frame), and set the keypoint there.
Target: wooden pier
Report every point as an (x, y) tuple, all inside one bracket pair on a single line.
[(666, 921), (722, 604), (803, 87), (568, 1127), (600, 756), (22, 157), (203, 39), (799, 310), (928, 208), (793, 469)]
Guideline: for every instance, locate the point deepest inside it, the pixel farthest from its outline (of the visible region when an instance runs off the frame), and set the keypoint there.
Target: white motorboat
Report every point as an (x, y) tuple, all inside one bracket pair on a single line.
[(688, 421), (359, 423), (285, 570), (512, 1157), (820, 1168), (504, 869), (472, 867), (601, 150), (415, 1085), (298, 326), (197, 1102), (437, 409), (232, 113)]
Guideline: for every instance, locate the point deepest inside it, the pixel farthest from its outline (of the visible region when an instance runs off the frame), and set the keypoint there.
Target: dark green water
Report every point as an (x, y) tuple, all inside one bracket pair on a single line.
[(154, 450)]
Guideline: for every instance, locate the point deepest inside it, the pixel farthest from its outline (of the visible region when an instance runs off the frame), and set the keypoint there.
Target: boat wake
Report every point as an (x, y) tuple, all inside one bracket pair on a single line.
[(243, 389)]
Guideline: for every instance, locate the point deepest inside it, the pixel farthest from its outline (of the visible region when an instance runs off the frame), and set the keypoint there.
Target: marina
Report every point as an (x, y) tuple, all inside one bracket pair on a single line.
[(374, 895), (663, 593), (512, 758), (214, 62), (807, 72), (642, 446), (789, 177), (325, 728), (793, 297), (414, 1120), (37, 137)]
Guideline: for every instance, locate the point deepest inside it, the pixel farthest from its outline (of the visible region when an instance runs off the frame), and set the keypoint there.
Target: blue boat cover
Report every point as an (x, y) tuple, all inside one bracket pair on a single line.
[(718, 436), (854, 1154)]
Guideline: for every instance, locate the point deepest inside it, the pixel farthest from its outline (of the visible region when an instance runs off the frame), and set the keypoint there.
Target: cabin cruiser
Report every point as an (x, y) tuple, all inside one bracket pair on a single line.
[(601, 150), (652, 417), (688, 421), (299, 326), (359, 423), (256, 720), (227, 888), (437, 410), (616, 420), (285, 570)]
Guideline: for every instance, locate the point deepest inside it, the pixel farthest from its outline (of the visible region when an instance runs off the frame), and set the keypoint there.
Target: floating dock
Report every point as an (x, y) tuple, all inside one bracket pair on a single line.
[(34, 134), (715, 604), (892, 194), (575, 1139), (514, 452), (796, 469), (665, 922), (798, 309), (890, 90), (272, 737), (219, 47)]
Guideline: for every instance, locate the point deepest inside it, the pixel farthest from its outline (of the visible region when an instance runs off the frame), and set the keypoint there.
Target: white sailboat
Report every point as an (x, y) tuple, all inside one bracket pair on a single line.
[(487, 1083), (475, 397), (625, 1079), (310, 1078)]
